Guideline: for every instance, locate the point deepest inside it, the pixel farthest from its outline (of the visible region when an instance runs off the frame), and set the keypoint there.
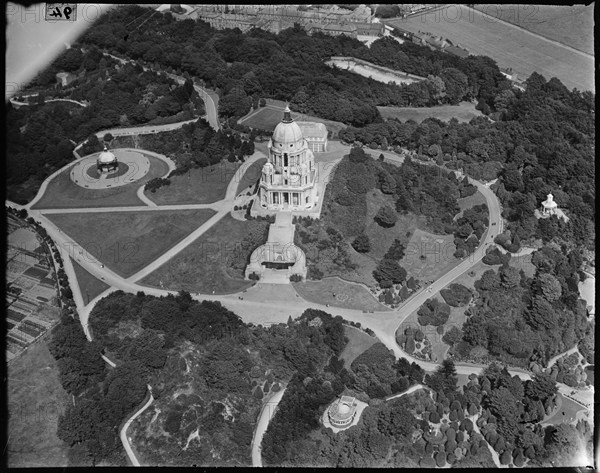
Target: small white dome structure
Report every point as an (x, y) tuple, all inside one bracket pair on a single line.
[(106, 161), (549, 206)]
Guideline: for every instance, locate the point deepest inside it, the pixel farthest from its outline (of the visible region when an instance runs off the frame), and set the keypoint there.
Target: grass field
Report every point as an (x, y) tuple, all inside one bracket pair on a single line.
[(572, 25), (468, 202), (438, 250), (35, 399), (198, 186), (268, 117), (89, 285), (338, 293), (358, 342), (251, 176), (508, 45), (63, 193), (128, 241), (202, 266), (463, 112)]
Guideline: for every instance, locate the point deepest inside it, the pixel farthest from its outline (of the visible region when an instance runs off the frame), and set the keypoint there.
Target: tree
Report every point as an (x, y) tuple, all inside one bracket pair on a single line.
[(361, 243), (549, 287), (433, 312), (389, 270), (541, 387), (456, 295), (510, 276), (386, 216), (453, 336)]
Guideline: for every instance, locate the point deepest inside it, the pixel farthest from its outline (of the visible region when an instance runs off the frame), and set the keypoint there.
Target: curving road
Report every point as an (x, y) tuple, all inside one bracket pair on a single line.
[(210, 97), (266, 414)]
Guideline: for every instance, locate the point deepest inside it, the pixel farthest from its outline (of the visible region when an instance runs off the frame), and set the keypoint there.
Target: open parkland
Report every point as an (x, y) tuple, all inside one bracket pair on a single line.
[(485, 33)]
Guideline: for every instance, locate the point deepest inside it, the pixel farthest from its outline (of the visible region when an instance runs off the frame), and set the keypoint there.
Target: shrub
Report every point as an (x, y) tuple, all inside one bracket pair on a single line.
[(386, 216), (505, 458), (296, 278), (254, 276), (456, 295), (440, 329), (410, 346), (440, 459), (433, 312), (361, 243), (419, 336)]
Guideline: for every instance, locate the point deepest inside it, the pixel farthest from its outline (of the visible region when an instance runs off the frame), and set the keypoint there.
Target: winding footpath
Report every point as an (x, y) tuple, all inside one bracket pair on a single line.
[(126, 440)]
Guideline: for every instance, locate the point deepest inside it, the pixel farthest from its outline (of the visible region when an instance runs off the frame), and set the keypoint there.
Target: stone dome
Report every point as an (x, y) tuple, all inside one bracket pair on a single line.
[(106, 157), (343, 409), (287, 132)]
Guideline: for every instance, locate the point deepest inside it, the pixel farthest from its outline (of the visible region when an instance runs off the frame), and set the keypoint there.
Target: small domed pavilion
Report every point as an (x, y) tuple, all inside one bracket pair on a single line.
[(549, 206), (106, 161)]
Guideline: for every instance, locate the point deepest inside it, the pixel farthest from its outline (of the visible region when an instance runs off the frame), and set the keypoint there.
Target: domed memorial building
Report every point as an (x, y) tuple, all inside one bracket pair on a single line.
[(106, 161), (341, 413), (288, 178)]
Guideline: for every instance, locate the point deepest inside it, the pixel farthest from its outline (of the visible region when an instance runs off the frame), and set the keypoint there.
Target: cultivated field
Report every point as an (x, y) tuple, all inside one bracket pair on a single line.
[(134, 240), (35, 399), (63, 193), (508, 45), (463, 112), (572, 25)]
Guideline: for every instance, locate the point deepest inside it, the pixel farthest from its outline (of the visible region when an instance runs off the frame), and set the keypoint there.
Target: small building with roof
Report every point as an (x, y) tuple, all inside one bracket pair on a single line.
[(315, 135)]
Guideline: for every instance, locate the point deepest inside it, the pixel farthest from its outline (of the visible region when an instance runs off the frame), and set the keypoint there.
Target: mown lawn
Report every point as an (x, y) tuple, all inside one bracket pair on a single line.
[(128, 241), (267, 118), (198, 186), (438, 251), (251, 176), (338, 293), (35, 399), (202, 266), (358, 342), (63, 193), (89, 285)]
